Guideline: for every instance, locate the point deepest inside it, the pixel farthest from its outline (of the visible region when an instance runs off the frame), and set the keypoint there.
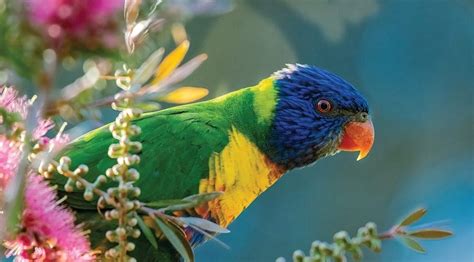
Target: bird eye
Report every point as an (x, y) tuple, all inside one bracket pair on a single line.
[(324, 106)]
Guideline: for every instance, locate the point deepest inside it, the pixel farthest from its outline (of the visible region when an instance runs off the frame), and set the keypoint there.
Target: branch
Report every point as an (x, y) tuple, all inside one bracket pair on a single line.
[(367, 236)]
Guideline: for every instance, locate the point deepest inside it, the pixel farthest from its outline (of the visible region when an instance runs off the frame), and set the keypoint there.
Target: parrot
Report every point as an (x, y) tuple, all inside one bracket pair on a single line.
[(239, 144)]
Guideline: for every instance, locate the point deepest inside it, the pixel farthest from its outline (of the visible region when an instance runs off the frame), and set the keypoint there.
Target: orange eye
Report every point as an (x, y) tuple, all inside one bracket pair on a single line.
[(324, 106)]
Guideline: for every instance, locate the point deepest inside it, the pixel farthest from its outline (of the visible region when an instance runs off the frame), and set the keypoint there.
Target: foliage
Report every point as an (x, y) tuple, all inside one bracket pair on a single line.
[(367, 236)]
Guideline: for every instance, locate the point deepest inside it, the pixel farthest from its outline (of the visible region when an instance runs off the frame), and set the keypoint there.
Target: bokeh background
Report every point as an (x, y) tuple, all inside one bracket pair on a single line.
[(414, 62)]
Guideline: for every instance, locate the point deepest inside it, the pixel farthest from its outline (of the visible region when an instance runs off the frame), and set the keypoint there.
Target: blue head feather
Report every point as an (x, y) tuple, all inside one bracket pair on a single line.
[(300, 134)]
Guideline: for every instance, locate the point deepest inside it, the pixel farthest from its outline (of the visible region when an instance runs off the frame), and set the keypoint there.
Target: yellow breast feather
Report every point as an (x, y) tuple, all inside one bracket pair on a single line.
[(242, 172)]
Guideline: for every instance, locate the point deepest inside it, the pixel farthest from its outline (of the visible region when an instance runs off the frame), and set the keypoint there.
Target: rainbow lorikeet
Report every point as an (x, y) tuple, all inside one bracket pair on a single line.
[(240, 144)]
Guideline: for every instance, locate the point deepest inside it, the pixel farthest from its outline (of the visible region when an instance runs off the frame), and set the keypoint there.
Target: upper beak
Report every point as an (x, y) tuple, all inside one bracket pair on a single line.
[(358, 136)]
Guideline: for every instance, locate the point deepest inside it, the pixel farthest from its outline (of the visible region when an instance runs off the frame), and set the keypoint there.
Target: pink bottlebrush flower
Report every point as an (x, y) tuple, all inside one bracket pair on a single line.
[(10, 155), (47, 230), (10, 151), (13, 103), (76, 19), (10, 101)]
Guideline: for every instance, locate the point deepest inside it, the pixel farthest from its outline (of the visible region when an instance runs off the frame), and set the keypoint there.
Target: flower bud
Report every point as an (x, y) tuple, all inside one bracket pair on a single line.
[(121, 232), (342, 237), (135, 147), (129, 205), (114, 214), (65, 161), (88, 195), (111, 236), (133, 175), (136, 233), (111, 253), (130, 246), (325, 249), (101, 203), (371, 228), (132, 222), (135, 192), (79, 185), (82, 169), (69, 186), (298, 256), (109, 172), (315, 248), (100, 180)]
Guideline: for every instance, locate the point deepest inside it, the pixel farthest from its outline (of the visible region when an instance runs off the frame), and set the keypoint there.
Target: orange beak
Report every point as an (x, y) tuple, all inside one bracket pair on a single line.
[(358, 136)]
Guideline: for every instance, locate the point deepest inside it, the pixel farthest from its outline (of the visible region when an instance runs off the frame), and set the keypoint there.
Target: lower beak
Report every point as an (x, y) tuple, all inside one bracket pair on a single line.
[(358, 136)]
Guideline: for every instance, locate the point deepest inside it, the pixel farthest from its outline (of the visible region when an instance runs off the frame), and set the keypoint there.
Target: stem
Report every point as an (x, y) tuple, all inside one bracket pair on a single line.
[(390, 234)]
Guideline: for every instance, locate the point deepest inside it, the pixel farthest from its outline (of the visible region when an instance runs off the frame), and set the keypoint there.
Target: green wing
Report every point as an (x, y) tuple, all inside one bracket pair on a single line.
[(177, 144)]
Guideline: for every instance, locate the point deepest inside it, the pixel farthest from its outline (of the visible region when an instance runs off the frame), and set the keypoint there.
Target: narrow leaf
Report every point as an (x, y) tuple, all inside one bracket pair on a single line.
[(413, 217), (178, 75), (413, 244), (185, 205), (148, 106), (131, 10), (193, 201), (155, 6), (147, 69), (15, 192), (201, 198), (171, 62), (185, 70), (204, 224), (178, 32), (177, 238), (186, 94), (434, 224), (431, 233), (136, 33), (166, 203), (211, 237), (146, 231)]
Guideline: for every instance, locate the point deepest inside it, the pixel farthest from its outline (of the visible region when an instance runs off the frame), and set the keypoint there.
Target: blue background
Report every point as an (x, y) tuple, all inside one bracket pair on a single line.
[(414, 62)]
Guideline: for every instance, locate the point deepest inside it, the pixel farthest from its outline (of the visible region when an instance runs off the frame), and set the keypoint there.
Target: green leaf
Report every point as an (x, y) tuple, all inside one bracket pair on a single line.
[(177, 238), (204, 224), (146, 231), (148, 68), (193, 201), (203, 198), (14, 211), (167, 203), (431, 233), (184, 205), (413, 217), (413, 244), (148, 106), (15, 192)]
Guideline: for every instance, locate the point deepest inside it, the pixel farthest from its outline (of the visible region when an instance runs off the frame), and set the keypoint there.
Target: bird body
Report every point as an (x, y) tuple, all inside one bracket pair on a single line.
[(239, 144)]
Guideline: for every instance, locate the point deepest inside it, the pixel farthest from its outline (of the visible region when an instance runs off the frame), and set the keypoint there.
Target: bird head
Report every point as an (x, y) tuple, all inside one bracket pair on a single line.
[(317, 114)]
